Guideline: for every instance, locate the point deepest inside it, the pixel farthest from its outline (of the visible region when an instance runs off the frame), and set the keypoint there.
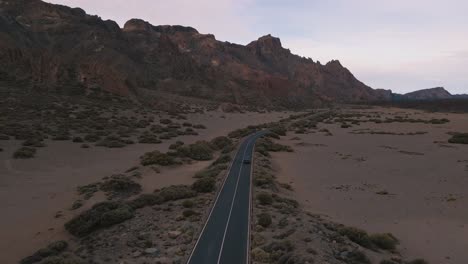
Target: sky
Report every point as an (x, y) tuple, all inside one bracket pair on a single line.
[(402, 45)]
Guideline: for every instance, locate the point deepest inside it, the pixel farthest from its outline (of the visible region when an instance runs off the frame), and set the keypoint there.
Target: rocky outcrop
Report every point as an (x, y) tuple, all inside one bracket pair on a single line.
[(60, 48), (429, 94)]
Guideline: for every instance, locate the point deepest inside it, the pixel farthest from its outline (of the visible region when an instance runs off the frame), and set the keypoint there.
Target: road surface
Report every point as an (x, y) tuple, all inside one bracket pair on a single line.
[(225, 236)]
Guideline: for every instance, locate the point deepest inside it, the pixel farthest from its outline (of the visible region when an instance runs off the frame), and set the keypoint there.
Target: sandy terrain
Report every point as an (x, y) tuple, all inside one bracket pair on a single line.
[(408, 185), (33, 191)]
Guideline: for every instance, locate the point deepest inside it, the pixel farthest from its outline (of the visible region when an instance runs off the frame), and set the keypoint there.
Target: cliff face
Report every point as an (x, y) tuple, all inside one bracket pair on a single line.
[(57, 47)]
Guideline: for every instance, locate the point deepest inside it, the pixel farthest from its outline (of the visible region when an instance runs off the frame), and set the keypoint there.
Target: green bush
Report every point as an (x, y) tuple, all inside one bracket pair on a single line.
[(112, 142), (34, 142), (176, 192), (219, 143), (65, 258), (101, 215), (357, 235), (459, 138), (145, 200), (387, 262), (116, 216), (165, 121), (52, 249), (24, 153), (188, 213), (357, 257), (92, 137), (279, 130), (264, 219), (119, 184), (200, 150), (188, 204), (204, 185), (264, 198), (222, 159), (418, 261), (157, 158), (78, 140), (148, 139), (211, 171), (239, 133), (176, 145), (384, 241), (265, 145)]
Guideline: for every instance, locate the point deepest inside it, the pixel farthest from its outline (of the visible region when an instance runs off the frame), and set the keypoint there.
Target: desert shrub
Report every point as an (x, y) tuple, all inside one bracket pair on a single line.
[(34, 142), (176, 145), (187, 124), (279, 130), (4, 137), (418, 261), (52, 249), (199, 126), (88, 190), (145, 200), (78, 140), (283, 245), (147, 138), (188, 213), (266, 145), (385, 261), (101, 215), (290, 202), (219, 143), (65, 258), (239, 133), (263, 180), (200, 150), (211, 171), (356, 235), (384, 241), (357, 257), (157, 158), (24, 153), (120, 185), (116, 216), (112, 142), (439, 121), (61, 137), (264, 219), (204, 185), (92, 137), (76, 204), (222, 159), (264, 198), (165, 121), (459, 138), (1, 149), (176, 192), (188, 204), (84, 146)]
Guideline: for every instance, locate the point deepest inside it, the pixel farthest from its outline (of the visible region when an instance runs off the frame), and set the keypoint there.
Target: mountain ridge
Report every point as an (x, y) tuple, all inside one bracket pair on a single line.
[(62, 48)]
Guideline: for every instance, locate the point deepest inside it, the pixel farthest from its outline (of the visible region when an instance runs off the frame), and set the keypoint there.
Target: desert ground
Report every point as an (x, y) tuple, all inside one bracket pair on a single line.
[(36, 194), (397, 177)]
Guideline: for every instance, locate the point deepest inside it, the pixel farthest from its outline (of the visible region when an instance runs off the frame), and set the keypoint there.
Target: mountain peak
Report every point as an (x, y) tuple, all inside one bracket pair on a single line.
[(267, 41), (135, 24)]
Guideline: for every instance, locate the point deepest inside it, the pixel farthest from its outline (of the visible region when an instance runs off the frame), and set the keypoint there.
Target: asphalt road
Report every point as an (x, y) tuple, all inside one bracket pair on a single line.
[(225, 236)]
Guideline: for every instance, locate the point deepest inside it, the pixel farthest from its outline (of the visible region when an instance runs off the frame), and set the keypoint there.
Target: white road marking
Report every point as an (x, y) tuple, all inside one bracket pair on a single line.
[(214, 205), (232, 203)]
